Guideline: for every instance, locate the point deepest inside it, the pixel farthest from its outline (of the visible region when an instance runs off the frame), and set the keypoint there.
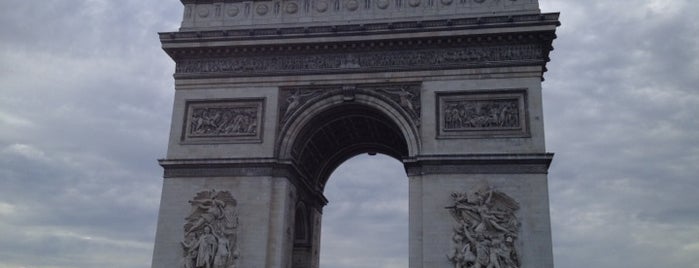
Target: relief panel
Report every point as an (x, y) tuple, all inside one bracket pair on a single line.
[(211, 231), (482, 114), (223, 121), (487, 229)]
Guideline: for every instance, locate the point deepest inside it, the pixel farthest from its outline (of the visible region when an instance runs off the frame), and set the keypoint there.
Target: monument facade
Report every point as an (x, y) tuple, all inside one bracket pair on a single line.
[(272, 96)]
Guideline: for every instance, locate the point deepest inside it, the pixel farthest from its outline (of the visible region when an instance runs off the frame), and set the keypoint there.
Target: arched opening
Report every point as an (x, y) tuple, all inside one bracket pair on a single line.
[(327, 138), (340, 133), (365, 223)]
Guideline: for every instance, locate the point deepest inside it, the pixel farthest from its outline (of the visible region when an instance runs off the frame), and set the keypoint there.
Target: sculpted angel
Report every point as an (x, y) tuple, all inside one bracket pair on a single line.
[(211, 231), (487, 229), (294, 101), (211, 209)]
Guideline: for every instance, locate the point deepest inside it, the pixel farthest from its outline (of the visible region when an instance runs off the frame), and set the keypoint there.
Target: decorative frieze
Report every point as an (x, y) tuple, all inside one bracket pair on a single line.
[(223, 121), (487, 229), (211, 231), (482, 114), (206, 14), (425, 59)]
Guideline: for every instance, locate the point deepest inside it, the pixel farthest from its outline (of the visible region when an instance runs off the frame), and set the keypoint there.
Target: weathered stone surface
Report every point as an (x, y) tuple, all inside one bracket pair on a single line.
[(271, 96), (247, 14), (223, 121), (483, 114)]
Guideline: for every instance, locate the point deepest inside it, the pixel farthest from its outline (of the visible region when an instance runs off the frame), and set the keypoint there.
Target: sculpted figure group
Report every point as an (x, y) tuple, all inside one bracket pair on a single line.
[(481, 114), (211, 232), (223, 121), (413, 60), (486, 232)]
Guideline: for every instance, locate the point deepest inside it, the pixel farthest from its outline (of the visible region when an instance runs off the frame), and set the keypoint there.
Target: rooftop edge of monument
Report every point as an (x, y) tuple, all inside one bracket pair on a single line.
[(257, 52), (236, 14), (548, 20)]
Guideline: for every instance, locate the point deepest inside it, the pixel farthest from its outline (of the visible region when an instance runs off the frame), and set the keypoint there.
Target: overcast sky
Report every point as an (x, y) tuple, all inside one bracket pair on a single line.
[(86, 96)]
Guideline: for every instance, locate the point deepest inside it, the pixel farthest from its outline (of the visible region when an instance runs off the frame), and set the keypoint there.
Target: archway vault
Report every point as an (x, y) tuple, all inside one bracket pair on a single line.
[(318, 136)]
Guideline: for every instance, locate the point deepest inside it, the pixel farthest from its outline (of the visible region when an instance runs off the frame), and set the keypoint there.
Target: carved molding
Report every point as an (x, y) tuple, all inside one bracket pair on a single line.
[(211, 231), (418, 59), (486, 114), (239, 13), (487, 229), (215, 121), (538, 19), (403, 96)]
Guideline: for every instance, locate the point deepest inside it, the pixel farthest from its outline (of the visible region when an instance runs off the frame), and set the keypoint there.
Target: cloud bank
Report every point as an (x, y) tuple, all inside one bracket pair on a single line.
[(85, 111)]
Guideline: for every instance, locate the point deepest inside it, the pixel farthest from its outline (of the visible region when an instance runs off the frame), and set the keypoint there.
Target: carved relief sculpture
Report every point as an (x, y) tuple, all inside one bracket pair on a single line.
[(487, 230), (386, 60), (223, 120), (210, 234), (294, 99), (405, 96), (483, 114), (474, 114)]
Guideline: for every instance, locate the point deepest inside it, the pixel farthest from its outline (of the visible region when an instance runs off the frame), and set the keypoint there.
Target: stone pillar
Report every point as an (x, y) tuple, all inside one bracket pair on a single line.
[(479, 189), (433, 227), (264, 207)]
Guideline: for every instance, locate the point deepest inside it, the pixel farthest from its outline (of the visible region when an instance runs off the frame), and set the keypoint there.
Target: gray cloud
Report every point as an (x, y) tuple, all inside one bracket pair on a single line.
[(365, 223), (86, 116), (621, 102), (86, 104)]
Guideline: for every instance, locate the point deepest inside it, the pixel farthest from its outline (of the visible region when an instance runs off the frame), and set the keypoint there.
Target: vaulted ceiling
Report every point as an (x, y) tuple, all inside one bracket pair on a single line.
[(341, 133)]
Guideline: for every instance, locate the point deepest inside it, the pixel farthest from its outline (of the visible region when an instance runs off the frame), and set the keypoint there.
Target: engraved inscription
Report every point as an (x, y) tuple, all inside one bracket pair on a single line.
[(482, 114), (487, 229), (223, 120), (211, 231)]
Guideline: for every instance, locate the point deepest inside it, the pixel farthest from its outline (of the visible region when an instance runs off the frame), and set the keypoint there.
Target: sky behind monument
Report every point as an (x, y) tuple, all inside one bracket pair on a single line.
[(86, 98)]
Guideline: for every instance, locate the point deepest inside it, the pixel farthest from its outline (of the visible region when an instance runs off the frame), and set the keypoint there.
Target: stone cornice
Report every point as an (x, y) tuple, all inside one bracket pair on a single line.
[(441, 53), (405, 46), (546, 20), (241, 14), (479, 164), (235, 167)]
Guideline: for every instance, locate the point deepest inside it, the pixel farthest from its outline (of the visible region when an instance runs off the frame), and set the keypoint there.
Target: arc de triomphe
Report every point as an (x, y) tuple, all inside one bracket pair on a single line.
[(271, 96)]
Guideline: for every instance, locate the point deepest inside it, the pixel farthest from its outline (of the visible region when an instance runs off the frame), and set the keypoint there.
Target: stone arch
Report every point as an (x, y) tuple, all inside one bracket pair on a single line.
[(381, 125), (400, 73), (324, 132)]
